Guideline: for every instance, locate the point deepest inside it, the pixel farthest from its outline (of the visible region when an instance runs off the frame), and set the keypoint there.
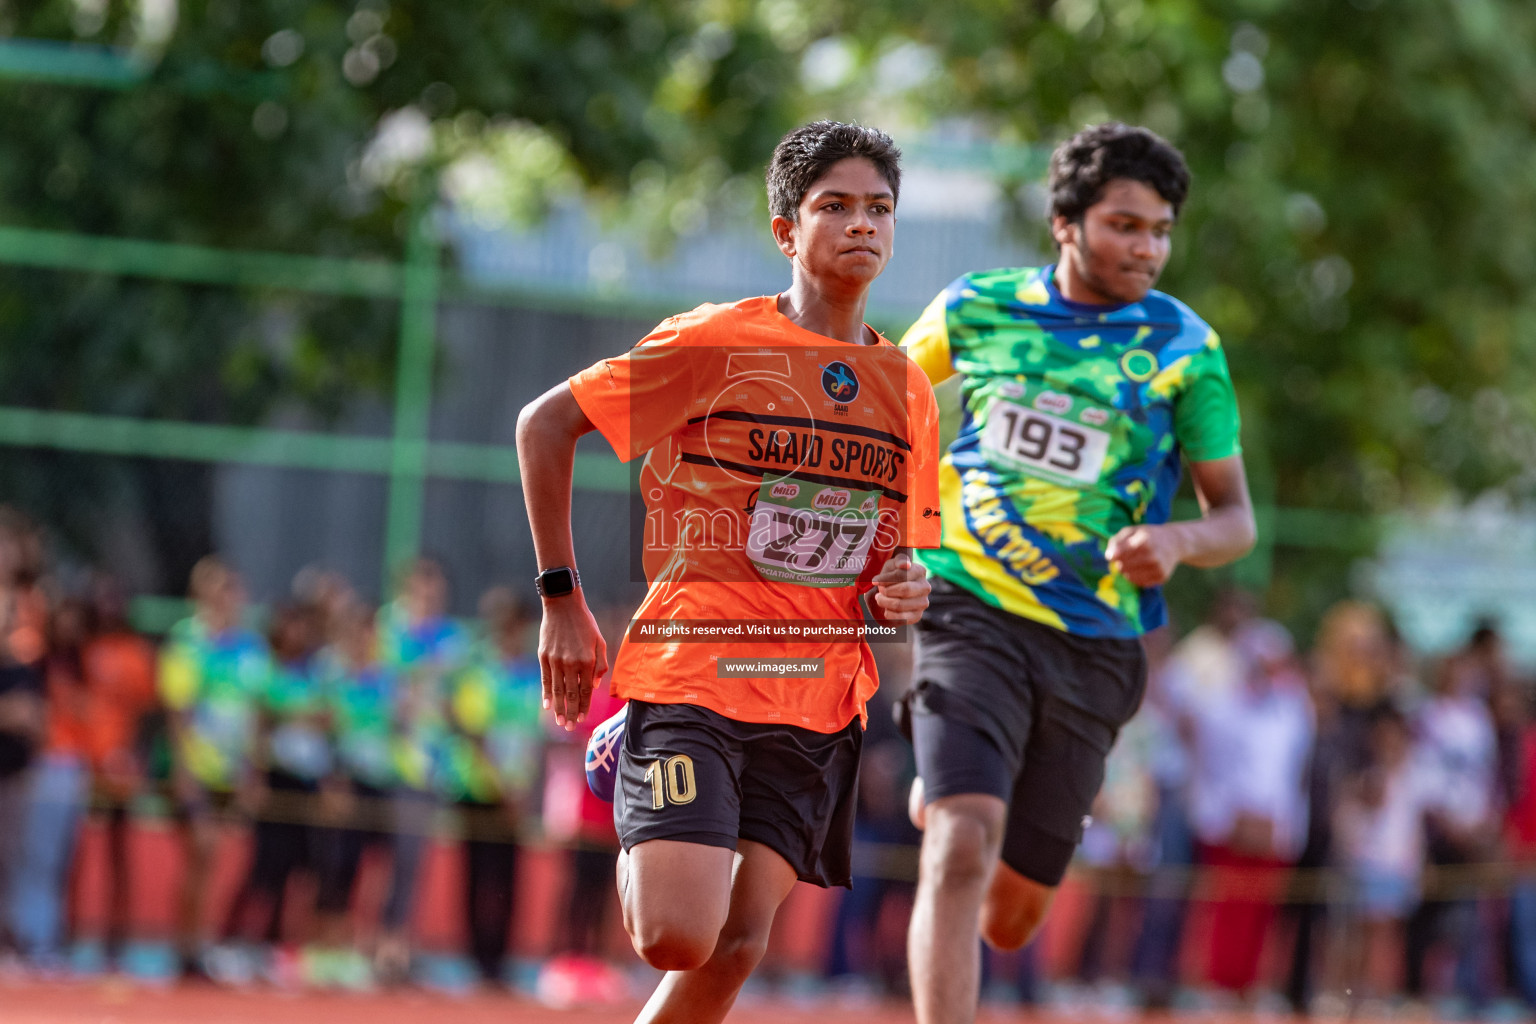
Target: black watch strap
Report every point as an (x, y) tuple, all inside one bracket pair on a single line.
[(557, 582)]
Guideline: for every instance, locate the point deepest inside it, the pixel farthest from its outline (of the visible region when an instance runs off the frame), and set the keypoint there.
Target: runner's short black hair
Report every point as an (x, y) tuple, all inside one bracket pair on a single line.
[(1084, 165), (805, 154)]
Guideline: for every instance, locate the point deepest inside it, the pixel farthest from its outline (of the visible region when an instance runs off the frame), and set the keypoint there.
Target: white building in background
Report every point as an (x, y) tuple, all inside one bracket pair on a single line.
[(1442, 571)]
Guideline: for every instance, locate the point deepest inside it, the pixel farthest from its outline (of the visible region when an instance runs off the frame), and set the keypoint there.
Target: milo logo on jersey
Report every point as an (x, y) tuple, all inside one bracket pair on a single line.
[(817, 536)]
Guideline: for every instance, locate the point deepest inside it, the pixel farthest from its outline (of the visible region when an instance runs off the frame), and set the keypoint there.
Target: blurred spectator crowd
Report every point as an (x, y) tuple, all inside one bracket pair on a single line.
[(1345, 830), (341, 732), (1328, 829)]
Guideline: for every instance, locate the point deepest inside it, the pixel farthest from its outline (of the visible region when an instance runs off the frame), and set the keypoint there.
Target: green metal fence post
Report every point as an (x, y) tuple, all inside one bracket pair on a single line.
[(413, 392), (1255, 571)]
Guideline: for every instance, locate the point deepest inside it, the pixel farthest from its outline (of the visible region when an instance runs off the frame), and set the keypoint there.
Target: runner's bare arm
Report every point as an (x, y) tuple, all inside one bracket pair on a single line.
[(1147, 555), (572, 654), (901, 589)]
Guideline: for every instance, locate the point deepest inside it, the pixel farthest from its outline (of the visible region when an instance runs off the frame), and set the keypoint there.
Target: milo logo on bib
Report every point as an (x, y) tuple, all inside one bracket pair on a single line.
[(812, 535), (1053, 401)]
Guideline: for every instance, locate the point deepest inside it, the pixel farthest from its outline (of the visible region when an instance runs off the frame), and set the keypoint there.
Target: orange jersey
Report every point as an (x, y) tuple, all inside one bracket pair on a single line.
[(98, 716), (120, 667), (782, 469)]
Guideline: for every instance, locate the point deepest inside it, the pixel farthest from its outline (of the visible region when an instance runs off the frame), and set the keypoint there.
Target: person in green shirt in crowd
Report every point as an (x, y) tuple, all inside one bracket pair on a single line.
[(212, 670), (292, 757), (360, 693), (423, 646), (494, 703)]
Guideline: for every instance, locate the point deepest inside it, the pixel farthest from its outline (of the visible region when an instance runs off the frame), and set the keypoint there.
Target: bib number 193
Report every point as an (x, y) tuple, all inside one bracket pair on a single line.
[(1045, 445)]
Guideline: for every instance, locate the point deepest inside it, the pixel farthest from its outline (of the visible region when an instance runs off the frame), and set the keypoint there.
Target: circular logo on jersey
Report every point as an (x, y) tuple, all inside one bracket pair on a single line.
[(1139, 364), (838, 381)]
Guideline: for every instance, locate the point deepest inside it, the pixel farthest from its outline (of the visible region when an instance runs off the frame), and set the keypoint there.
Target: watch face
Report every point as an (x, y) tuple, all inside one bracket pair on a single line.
[(556, 582)]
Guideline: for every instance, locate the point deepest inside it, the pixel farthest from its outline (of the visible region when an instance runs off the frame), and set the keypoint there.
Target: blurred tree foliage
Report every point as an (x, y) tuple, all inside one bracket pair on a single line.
[(1362, 230), (292, 125), (313, 127)]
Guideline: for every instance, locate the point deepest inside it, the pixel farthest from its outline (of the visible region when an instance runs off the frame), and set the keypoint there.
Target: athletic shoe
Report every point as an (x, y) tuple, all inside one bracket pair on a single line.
[(569, 981), (603, 755), (284, 968), (351, 972), (316, 966), (230, 965)]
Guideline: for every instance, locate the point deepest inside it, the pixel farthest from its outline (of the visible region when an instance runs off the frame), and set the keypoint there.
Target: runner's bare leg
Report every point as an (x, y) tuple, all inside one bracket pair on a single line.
[(706, 994), (961, 841)]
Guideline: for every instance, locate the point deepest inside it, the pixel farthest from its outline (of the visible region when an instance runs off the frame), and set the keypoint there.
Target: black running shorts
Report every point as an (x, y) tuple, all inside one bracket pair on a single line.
[(1021, 711), (689, 774)]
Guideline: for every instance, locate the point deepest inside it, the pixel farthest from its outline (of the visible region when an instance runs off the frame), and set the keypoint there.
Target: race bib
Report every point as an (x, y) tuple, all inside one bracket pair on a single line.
[(811, 534), (1042, 444)]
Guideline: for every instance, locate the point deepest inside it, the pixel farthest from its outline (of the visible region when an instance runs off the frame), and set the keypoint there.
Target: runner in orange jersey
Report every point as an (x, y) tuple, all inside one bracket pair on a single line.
[(790, 461)]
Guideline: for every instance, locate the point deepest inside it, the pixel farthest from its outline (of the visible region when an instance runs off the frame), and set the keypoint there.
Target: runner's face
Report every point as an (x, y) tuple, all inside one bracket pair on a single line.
[(846, 224), (1116, 254)]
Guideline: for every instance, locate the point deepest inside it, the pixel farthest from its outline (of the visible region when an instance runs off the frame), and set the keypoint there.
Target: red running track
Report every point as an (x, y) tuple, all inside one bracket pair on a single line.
[(119, 1002)]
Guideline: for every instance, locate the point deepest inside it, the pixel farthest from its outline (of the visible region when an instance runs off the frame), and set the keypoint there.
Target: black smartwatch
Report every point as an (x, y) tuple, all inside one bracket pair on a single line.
[(557, 582)]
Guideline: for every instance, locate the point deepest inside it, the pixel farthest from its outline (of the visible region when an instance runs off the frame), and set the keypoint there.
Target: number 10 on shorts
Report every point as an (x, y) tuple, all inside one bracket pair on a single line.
[(671, 781)]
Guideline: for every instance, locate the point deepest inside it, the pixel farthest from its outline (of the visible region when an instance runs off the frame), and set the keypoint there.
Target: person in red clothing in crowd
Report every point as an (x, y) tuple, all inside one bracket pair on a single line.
[(1248, 802), (120, 668), (100, 683), (1513, 711)]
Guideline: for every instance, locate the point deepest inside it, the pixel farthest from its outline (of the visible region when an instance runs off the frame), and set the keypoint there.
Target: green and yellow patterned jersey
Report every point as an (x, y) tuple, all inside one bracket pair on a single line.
[(295, 708), (423, 655), (215, 682), (494, 704), (1063, 424), (361, 701)]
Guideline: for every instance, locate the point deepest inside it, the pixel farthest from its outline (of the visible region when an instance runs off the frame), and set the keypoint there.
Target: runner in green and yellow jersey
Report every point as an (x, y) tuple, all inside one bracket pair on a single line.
[(1076, 395)]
